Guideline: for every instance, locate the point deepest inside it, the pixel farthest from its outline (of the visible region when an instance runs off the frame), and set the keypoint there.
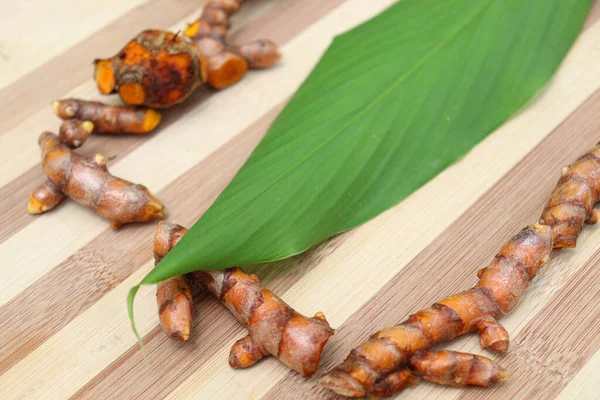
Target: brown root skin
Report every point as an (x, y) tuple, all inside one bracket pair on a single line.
[(227, 65), (260, 53), (44, 198), (500, 287), (174, 295), (175, 307), (572, 202), (90, 184), (274, 327), (156, 69), (452, 368), (74, 132), (114, 119)]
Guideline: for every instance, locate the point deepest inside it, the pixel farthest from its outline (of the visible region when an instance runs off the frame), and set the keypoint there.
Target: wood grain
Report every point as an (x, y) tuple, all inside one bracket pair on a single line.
[(63, 327)]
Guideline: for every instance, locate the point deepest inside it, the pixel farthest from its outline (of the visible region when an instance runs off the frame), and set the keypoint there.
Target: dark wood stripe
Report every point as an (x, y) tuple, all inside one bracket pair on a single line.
[(467, 245), (51, 80)]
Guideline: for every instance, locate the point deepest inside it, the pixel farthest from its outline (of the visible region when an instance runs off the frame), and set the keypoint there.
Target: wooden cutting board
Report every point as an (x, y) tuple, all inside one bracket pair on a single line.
[(64, 276)]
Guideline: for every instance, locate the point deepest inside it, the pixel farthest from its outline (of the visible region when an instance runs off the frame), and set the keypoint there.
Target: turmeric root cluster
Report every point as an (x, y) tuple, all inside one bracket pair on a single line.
[(160, 69), (380, 367), (274, 327), (156, 69), (88, 182)]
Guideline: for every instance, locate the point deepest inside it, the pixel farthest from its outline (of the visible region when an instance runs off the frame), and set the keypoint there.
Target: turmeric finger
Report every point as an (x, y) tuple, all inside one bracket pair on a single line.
[(74, 132), (456, 369), (500, 287), (492, 335), (90, 184), (227, 65), (214, 20), (156, 69), (174, 295), (246, 352), (274, 327), (573, 199), (44, 198), (175, 307), (108, 118), (260, 53), (225, 69), (393, 383)]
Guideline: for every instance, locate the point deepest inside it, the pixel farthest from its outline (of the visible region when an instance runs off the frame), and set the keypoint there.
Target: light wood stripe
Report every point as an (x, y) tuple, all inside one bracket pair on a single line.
[(585, 385), (449, 264), (38, 40)]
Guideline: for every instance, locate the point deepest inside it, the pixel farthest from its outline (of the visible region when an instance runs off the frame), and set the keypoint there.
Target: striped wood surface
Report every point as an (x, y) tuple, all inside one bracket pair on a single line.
[(63, 326)]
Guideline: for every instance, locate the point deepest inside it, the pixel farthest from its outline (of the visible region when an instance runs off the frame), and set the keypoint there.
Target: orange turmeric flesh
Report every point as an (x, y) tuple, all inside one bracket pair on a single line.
[(500, 287), (108, 118), (90, 184), (156, 69), (274, 327)]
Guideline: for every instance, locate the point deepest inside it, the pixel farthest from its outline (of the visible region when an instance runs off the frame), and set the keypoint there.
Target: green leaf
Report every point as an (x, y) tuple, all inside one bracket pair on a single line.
[(390, 105)]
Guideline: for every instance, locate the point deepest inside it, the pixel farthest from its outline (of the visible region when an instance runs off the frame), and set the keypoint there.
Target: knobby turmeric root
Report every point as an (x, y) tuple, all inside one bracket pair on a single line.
[(449, 368), (452, 368), (274, 327), (157, 69), (500, 287), (227, 65), (74, 132), (90, 184), (106, 118), (160, 69), (174, 295)]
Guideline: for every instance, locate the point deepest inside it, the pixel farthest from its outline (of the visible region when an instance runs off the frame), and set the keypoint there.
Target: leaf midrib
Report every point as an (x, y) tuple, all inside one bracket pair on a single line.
[(374, 102)]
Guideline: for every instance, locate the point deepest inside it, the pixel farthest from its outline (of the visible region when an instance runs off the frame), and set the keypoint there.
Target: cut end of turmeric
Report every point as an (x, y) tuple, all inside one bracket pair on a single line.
[(151, 120), (35, 206), (132, 93), (154, 209), (192, 29), (226, 69), (44, 198), (104, 75)]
